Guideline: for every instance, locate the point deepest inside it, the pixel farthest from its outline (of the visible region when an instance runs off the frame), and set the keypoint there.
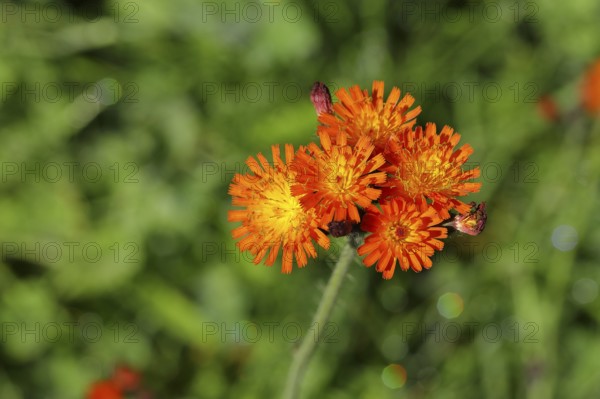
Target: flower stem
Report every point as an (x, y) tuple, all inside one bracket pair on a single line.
[(307, 348)]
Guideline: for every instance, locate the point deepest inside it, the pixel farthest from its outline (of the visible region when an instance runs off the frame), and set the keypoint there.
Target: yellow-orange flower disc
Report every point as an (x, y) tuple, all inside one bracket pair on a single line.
[(401, 232), (338, 178), (273, 218), (424, 165), (357, 114)]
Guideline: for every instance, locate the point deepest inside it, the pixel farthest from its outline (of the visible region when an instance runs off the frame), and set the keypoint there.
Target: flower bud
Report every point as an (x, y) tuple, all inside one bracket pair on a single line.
[(321, 98), (340, 229), (472, 222)]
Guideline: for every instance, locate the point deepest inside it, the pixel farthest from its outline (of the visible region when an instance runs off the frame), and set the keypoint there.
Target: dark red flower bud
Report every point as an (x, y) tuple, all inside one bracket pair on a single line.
[(472, 222), (321, 98), (340, 229)]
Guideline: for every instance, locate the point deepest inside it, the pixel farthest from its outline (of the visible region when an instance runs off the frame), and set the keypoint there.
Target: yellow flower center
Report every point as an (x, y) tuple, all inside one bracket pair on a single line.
[(337, 176), (280, 214), (427, 173), (399, 232), (373, 124)]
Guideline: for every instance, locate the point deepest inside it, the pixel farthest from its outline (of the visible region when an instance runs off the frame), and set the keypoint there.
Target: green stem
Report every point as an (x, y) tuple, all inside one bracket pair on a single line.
[(307, 348)]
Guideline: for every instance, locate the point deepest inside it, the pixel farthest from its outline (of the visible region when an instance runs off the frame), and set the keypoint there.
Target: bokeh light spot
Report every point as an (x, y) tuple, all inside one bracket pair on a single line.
[(564, 238), (450, 305), (394, 376)]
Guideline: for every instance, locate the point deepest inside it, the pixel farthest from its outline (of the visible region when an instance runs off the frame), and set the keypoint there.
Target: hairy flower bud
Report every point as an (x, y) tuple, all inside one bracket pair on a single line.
[(321, 98), (472, 222)]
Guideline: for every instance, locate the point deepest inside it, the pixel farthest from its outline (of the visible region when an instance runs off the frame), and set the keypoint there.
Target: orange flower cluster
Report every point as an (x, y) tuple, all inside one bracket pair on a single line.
[(373, 171)]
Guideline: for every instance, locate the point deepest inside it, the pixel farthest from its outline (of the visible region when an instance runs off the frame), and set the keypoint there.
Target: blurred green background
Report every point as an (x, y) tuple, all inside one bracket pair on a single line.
[(123, 122)]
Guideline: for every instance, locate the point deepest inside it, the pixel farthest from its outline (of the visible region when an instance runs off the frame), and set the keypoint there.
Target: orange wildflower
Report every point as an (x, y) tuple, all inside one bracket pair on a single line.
[(590, 89), (104, 390), (401, 232), (357, 114), (338, 178), (424, 165), (273, 218)]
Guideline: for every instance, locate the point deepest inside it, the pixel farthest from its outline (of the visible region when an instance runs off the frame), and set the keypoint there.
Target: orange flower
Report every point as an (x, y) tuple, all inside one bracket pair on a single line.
[(424, 165), (273, 217), (104, 390), (590, 89), (400, 231), (357, 114), (337, 178)]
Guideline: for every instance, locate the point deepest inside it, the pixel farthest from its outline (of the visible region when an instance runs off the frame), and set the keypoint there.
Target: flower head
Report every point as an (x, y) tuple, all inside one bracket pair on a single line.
[(472, 222), (104, 390), (401, 232), (357, 115), (338, 178), (424, 165), (373, 169), (273, 218), (590, 89)]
